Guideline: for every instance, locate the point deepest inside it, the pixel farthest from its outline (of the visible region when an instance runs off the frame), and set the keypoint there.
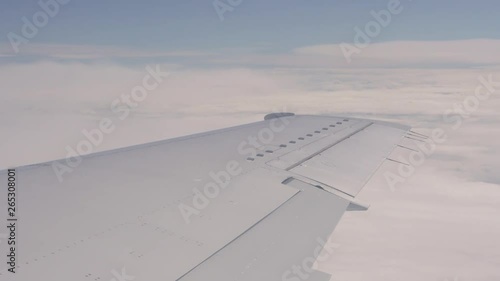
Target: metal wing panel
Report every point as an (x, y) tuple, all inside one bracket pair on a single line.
[(291, 236), (121, 208), (143, 242), (325, 141), (349, 164)]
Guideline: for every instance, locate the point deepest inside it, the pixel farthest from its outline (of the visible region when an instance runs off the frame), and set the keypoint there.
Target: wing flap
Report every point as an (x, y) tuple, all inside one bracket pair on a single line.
[(292, 236), (349, 164)]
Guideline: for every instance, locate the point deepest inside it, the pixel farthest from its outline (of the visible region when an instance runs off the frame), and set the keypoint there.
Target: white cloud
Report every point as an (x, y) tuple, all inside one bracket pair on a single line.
[(397, 54), (406, 53), (447, 216)]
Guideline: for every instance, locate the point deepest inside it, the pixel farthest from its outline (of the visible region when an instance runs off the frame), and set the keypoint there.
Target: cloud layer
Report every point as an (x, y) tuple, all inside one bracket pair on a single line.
[(444, 222)]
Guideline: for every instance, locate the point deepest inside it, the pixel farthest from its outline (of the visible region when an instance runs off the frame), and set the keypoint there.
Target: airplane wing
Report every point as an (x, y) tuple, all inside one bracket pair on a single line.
[(253, 202)]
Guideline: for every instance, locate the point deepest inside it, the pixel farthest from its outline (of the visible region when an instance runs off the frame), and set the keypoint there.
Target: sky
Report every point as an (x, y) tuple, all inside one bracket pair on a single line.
[(263, 27), (278, 25), (308, 57)]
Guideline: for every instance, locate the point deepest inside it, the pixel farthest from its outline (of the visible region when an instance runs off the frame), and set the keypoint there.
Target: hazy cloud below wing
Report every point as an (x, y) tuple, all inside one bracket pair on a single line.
[(394, 54), (452, 199)]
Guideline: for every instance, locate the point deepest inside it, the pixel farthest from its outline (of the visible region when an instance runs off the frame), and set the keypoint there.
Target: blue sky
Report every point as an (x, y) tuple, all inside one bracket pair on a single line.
[(274, 25)]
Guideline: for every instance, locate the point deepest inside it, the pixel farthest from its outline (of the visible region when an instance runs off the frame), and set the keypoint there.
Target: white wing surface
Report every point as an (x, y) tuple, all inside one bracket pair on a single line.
[(252, 202)]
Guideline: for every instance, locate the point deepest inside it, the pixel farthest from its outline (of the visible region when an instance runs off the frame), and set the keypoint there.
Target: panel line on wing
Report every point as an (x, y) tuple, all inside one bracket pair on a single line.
[(237, 237), (328, 147)]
